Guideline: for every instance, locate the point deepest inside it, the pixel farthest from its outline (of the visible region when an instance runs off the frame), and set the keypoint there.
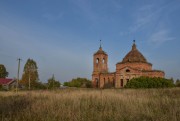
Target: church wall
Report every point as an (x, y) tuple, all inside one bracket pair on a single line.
[(107, 78), (100, 62), (154, 74), (135, 65), (95, 80), (122, 77)]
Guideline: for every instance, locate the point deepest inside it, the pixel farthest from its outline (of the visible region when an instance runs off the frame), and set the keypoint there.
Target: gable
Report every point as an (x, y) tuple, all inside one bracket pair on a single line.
[(4, 81), (128, 69)]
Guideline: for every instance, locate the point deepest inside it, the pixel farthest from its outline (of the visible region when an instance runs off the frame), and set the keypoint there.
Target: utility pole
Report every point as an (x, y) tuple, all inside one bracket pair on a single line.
[(53, 81), (29, 82), (17, 82)]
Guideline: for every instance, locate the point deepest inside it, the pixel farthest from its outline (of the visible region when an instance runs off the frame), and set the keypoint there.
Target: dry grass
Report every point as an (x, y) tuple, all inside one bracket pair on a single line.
[(91, 105)]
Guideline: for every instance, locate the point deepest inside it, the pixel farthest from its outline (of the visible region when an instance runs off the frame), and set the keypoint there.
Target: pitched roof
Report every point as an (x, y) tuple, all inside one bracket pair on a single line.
[(100, 51), (4, 81)]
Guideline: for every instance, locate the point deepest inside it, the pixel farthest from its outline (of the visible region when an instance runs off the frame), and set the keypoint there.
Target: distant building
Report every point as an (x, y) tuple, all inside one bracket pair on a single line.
[(7, 84), (133, 65)]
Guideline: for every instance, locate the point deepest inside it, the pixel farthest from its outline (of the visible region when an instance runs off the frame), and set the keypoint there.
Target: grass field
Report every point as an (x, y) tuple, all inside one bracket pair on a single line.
[(91, 105)]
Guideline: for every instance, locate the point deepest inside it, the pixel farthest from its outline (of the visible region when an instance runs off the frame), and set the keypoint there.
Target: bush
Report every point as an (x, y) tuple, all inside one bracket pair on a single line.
[(149, 82), (40, 85), (177, 83), (79, 82)]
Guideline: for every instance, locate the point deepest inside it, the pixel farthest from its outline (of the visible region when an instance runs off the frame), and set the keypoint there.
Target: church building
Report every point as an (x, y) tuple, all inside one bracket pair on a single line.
[(133, 65)]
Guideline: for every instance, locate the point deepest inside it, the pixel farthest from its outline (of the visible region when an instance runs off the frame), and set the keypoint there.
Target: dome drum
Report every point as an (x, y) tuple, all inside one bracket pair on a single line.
[(135, 65)]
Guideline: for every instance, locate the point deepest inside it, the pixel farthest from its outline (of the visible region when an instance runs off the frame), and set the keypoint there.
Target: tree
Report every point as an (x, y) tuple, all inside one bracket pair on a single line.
[(3, 72), (30, 75), (52, 83)]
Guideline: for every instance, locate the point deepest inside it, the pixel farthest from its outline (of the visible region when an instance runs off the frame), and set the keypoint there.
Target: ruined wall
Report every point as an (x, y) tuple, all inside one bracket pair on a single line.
[(135, 65), (107, 78), (154, 74), (100, 63)]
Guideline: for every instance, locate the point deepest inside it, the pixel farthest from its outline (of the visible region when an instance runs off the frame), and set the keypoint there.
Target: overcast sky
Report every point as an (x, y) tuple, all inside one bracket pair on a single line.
[(62, 35)]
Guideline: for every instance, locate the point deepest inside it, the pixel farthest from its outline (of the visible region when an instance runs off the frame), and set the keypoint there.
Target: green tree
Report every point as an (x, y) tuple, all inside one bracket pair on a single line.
[(3, 72), (53, 83), (30, 75)]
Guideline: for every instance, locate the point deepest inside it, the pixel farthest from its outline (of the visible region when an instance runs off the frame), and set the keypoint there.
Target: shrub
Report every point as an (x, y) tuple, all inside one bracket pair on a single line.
[(79, 82), (149, 82), (177, 83)]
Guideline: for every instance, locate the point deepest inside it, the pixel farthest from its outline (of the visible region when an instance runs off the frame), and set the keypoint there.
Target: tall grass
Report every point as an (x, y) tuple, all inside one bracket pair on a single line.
[(91, 105)]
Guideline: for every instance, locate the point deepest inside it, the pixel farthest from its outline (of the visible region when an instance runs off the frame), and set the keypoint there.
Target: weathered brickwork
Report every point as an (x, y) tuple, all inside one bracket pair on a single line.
[(133, 65)]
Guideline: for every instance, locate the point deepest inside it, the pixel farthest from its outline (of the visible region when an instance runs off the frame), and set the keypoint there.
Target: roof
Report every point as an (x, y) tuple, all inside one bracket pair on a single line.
[(4, 81), (134, 56), (100, 51)]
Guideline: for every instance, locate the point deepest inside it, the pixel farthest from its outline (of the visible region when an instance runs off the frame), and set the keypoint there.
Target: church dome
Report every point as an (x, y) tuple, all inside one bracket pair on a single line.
[(134, 56)]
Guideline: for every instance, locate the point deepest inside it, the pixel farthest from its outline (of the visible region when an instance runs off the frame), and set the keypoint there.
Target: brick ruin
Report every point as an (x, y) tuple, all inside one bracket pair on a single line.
[(133, 65)]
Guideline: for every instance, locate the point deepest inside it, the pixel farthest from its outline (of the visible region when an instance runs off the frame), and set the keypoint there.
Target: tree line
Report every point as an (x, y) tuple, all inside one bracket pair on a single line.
[(30, 80)]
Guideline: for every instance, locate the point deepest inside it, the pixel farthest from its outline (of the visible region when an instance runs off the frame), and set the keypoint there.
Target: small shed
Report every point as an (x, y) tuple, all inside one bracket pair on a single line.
[(7, 84)]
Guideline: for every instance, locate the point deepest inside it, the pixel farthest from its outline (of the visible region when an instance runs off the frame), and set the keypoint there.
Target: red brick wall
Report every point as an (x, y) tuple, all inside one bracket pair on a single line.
[(154, 74), (135, 65), (102, 65)]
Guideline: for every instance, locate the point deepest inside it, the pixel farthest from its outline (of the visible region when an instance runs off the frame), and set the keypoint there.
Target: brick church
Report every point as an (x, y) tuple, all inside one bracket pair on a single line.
[(133, 65)]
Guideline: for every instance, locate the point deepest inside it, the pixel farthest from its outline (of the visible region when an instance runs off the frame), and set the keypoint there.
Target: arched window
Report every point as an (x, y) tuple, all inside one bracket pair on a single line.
[(97, 83), (122, 83), (103, 60), (127, 70), (113, 82), (97, 60)]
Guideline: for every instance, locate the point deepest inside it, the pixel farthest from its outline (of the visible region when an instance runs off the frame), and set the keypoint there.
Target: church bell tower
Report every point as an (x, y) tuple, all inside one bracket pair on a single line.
[(100, 65)]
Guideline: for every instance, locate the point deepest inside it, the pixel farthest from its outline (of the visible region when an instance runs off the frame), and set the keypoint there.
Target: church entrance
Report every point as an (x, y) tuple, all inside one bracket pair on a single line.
[(121, 82), (97, 83)]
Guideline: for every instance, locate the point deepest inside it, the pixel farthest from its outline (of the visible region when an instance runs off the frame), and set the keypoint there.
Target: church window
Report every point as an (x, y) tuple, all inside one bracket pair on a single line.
[(97, 60), (113, 82), (121, 82), (127, 70), (103, 60), (97, 82)]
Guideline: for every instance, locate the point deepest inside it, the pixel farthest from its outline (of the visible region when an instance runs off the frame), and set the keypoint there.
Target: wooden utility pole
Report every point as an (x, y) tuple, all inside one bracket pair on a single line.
[(29, 81), (17, 82), (53, 81)]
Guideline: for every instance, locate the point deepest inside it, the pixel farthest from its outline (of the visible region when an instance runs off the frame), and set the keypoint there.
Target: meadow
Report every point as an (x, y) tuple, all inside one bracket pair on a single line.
[(91, 105)]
